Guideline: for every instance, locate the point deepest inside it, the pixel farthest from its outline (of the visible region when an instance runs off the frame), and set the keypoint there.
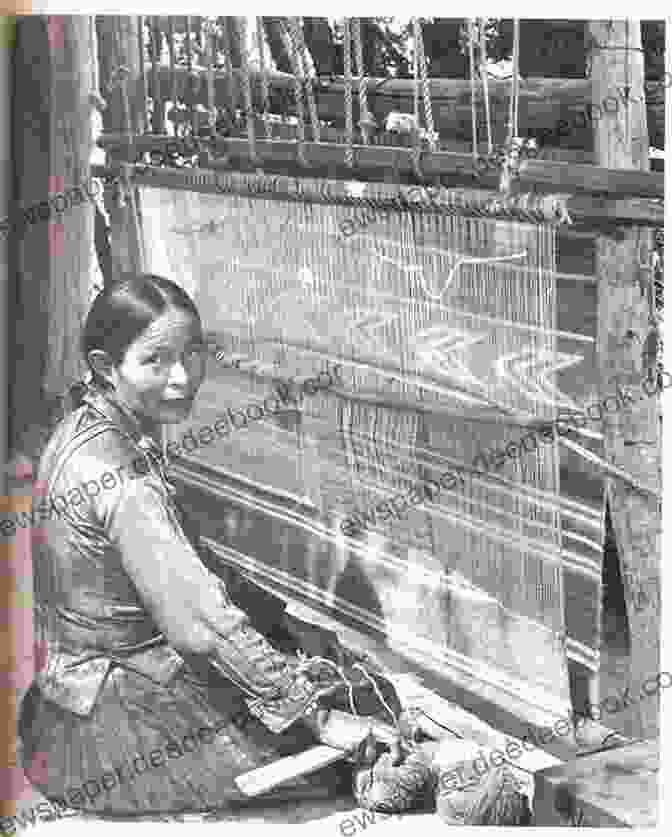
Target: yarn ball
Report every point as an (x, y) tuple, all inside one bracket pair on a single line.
[(392, 787), (491, 799)]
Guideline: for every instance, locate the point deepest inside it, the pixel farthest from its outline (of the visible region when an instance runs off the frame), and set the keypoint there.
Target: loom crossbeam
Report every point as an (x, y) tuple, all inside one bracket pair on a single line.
[(590, 210), (540, 174)]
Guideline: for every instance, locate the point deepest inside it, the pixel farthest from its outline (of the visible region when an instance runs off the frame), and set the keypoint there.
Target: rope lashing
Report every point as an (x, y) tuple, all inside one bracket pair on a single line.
[(513, 105), (241, 24), (483, 60), (173, 74), (210, 27), (296, 33), (190, 92), (416, 149), (143, 75), (155, 41), (511, 162), (472, 81), (227, 52), (119, 78), (263, 66), (298, 92), (426, 90), (365, 120), (347, 70)]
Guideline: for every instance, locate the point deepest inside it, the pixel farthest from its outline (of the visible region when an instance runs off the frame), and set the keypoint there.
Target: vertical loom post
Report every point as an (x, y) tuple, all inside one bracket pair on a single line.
[(7, 706), (632, 436), (119, 39)]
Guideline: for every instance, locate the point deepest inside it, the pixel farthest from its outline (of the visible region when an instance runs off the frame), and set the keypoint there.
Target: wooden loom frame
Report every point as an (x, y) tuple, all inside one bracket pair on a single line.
[(309, 189)]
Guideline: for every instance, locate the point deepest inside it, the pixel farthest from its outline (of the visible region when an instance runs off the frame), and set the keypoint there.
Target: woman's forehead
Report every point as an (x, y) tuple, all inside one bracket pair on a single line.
[(171, 326)]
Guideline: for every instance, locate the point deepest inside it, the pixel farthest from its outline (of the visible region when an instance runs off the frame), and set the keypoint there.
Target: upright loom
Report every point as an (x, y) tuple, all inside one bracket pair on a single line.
[(457, 335), (444, 355)]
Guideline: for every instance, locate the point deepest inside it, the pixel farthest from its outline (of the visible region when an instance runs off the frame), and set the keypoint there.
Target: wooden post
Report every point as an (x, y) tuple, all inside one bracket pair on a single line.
[(7, 699), (118, 47), (50, 249), (50, 253), (625, 317)]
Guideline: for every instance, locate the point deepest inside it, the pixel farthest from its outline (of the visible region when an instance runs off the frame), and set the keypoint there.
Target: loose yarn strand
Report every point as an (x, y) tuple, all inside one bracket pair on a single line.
[(309, 661), (378, 693)]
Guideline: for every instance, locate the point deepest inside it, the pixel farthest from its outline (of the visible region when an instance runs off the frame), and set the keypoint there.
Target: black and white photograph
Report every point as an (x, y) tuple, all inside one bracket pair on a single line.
[(355, 324)]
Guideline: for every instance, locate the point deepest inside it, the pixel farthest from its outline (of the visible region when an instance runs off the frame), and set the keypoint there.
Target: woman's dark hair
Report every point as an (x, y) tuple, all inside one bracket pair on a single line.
[(123, 310)]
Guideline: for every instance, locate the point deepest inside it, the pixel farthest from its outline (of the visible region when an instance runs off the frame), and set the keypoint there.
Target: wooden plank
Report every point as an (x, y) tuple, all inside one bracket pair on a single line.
[(618, 787), (265, 778), (625, 312)]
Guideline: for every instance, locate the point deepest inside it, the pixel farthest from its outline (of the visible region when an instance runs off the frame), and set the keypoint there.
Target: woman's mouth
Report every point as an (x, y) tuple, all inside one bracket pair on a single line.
[(178, 403)]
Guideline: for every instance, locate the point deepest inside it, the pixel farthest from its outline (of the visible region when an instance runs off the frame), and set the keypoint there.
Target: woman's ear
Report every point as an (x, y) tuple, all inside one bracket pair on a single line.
[(102, 365)]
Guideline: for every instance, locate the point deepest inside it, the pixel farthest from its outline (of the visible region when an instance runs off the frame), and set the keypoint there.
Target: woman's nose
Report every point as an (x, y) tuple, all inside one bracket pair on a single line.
[(179, 374)]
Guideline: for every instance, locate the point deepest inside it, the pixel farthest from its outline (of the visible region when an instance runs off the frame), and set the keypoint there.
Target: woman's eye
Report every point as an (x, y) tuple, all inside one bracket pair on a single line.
[(156, 357)]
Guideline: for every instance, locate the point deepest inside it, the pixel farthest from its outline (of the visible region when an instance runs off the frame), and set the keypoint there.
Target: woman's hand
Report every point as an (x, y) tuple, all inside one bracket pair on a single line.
[(314, 640)]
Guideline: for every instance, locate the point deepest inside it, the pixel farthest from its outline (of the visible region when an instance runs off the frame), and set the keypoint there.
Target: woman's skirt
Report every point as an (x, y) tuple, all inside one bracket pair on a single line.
[(150, 748)]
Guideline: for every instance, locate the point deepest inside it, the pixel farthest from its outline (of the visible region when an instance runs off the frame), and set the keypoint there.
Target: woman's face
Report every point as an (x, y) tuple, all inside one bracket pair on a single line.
[(162, 369)]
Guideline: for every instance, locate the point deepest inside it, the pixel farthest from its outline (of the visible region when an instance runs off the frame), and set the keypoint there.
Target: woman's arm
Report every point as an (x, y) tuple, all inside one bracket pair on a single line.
[(188, 603)]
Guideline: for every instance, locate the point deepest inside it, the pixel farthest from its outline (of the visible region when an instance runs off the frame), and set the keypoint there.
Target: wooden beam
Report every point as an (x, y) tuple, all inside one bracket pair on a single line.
[(593, 179), (328, 156), (626, 309), (545, 104), (587, 210)]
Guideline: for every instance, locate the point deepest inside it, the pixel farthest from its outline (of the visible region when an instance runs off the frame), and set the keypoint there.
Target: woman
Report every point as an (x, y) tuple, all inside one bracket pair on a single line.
[(145, 649)]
